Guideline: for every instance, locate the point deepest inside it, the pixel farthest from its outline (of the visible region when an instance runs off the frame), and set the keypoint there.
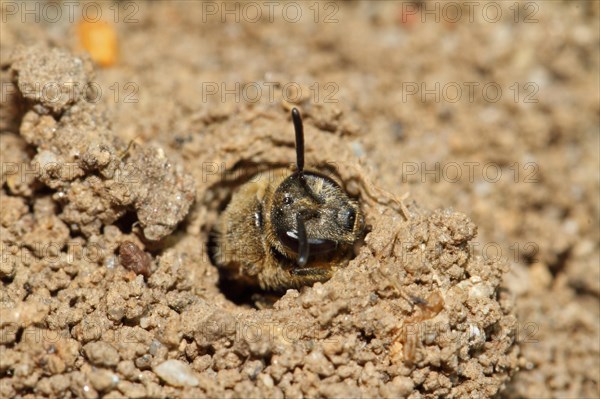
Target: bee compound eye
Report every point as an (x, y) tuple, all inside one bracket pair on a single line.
[(347, 218), (287, 199)]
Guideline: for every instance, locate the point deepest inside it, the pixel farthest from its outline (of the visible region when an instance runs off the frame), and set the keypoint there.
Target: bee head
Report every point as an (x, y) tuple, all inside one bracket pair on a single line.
[(311, 213)]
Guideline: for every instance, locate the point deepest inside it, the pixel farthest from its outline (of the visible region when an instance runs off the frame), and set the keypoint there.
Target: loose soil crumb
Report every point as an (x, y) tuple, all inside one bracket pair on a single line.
[(421, 311), (77, 155)]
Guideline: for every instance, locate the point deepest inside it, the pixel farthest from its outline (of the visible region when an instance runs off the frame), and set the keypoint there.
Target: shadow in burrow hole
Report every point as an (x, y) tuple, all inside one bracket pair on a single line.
[(129, 224)]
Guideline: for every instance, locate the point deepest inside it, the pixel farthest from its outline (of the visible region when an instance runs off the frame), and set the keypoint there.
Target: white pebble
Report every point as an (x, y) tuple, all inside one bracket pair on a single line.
[(474, 331), (267, 380), (110, 262), (176, 373)]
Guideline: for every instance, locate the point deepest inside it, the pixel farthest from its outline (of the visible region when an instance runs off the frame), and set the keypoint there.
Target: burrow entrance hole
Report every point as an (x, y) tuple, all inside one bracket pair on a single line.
[(216, 199)]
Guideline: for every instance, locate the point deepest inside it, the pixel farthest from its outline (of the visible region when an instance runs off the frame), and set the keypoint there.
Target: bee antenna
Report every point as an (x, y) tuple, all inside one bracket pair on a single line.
[(299, 130), (303, 248)]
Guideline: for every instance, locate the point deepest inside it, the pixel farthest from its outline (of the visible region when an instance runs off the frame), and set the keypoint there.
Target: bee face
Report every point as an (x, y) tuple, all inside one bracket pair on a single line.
[(290, 232), (329, 215)]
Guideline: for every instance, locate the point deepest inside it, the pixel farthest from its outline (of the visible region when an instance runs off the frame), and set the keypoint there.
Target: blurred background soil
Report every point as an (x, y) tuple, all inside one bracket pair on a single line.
[(490, 110)]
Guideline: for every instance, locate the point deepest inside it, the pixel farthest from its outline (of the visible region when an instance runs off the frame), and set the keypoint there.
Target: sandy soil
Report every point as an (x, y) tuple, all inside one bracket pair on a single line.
[(471, 141)]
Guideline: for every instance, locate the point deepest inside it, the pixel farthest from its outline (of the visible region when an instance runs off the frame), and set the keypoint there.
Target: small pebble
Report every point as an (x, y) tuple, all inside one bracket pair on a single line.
[(101, 354), (176, 373), (135, 259), (103, 380)]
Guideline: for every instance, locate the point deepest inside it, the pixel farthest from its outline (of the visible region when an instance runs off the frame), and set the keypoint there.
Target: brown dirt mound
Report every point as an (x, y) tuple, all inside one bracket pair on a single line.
[(423, 310)]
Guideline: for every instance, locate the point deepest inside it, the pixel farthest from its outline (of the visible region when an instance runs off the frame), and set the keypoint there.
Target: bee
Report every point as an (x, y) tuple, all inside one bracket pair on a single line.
[(292, 229)]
